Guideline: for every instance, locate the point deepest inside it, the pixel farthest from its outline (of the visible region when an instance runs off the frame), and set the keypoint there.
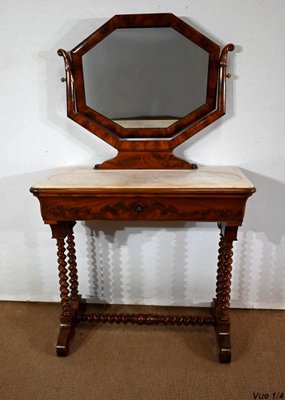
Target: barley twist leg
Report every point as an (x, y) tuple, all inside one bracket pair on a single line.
[(67, 289), (223, 290), (63, 278), (73, 274), (219, 279)]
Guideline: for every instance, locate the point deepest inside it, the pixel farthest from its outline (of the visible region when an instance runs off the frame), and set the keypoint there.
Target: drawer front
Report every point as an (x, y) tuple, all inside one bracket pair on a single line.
[(204, 208)]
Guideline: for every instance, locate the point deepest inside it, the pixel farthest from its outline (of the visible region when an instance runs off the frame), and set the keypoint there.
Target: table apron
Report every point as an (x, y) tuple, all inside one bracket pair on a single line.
[(196, 208)]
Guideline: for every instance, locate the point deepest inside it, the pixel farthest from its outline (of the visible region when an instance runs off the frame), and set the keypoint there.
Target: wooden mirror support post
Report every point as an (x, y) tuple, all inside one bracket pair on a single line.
[(145, 182)]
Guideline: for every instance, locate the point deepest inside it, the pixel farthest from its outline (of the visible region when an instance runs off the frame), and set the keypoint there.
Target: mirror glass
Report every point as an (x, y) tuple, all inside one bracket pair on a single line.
[(145, 77)]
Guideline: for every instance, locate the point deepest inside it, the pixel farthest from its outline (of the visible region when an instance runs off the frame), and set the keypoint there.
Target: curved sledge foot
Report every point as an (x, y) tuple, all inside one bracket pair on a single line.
[(224, 344), (66, 333), (68, 325)]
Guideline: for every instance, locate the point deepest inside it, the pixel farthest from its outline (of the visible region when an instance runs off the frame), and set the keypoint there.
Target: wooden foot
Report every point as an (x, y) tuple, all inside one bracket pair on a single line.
[(67, 327), (66, 333), (224, 343), (222, 335)]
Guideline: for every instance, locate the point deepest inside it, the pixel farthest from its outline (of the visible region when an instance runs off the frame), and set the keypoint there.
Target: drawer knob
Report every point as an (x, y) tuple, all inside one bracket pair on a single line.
[(139, 207)]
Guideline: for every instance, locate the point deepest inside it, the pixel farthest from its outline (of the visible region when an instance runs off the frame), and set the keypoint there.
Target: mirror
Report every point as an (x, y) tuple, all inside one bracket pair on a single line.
[(145, 83), (145, 77)]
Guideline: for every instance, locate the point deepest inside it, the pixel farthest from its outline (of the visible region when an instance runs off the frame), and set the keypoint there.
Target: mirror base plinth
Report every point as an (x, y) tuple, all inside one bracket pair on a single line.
[(145, 160)]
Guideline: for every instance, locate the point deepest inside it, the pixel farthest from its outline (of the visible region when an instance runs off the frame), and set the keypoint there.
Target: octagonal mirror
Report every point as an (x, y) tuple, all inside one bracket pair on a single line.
[(145, 83), (145, 77)]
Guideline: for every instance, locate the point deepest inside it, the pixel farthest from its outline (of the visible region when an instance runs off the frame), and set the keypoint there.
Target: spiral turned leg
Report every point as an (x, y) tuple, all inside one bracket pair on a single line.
[(73, 275), (223, 296), (76, 302), (63, 278), (220, 274), (223, 289), (68, 285), (66, 330)]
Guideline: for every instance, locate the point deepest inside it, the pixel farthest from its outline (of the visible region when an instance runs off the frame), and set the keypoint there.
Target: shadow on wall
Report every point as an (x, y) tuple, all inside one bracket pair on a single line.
[(260, 263), (137, 261), (158, 263)]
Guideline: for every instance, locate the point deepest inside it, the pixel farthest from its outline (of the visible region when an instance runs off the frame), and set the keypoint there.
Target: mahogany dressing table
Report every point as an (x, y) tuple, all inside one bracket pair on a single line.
[(145, 181)]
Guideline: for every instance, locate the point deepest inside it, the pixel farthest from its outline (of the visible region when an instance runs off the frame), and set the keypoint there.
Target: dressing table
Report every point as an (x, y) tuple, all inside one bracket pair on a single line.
[(115, 91)]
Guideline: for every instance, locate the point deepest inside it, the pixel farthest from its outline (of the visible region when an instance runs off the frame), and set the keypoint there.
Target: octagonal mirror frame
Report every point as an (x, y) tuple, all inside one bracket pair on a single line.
[(146, 147)]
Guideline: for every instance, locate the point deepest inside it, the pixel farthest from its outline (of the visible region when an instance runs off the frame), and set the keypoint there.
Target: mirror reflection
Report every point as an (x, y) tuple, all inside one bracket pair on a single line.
[(145, 77)]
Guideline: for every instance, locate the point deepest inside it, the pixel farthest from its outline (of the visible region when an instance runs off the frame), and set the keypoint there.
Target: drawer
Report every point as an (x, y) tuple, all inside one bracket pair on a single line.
[(201, 208)]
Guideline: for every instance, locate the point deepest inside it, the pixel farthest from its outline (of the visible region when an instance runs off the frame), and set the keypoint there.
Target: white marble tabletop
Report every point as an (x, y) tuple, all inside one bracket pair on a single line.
[(201, 178)]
